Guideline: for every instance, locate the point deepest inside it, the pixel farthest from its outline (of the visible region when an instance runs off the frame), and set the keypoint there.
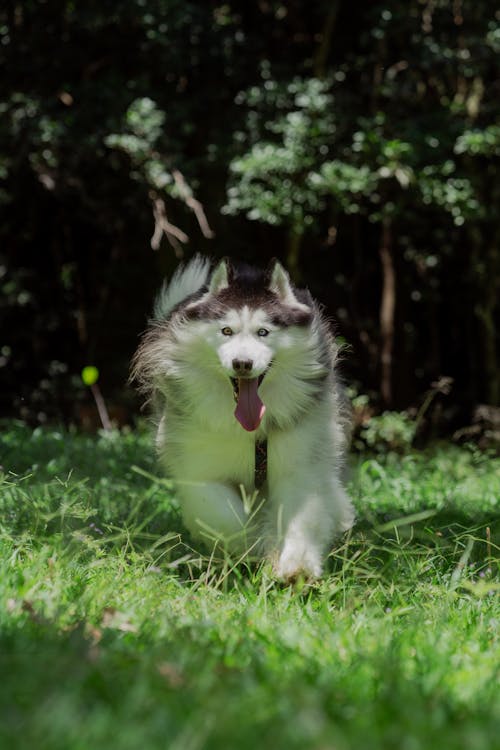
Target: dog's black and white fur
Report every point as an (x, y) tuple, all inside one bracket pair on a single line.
[(238, 334)]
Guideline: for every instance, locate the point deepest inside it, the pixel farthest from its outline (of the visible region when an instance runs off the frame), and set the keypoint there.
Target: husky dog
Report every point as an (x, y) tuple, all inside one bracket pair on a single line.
[(237, 360)]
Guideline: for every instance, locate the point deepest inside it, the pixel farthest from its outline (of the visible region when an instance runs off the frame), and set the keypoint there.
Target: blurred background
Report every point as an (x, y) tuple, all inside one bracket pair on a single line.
[(358, 142)]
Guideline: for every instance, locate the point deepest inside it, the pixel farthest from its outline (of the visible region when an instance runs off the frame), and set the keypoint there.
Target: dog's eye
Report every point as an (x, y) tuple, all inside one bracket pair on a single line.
[(226, 331), (262, 332)]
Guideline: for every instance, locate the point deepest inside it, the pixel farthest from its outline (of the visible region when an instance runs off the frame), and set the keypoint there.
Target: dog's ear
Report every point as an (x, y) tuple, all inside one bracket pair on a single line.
[(279, 281), (221, 276), (279, 284)]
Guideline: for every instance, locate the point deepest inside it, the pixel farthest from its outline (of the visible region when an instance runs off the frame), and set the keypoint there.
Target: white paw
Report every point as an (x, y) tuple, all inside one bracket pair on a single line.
[(298, 560)]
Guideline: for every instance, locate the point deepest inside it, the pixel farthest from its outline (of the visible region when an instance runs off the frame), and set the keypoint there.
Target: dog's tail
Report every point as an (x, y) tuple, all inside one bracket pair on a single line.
[(186, 281)]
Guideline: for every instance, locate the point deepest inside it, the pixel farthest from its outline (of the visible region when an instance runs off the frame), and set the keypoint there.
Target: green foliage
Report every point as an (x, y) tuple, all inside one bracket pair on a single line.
[(144, 123), (480, 142), (290, 127), (115, 633), (391, 430), (456, 195), (379, 175)]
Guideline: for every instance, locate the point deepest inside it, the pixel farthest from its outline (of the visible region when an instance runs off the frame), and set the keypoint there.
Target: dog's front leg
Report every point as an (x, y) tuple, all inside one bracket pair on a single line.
[(308, 505), (214, 512), (303, 527)]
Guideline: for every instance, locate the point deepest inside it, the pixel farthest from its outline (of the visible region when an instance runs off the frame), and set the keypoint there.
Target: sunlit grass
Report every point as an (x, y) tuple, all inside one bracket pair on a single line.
[(116, 633)]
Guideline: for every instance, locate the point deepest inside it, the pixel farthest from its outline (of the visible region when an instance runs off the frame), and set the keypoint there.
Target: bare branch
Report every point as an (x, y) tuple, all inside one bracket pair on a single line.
[(193, 203), (163, 226)]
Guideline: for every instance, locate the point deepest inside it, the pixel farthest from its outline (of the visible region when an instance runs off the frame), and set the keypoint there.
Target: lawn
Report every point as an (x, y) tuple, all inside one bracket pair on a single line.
[(115, 633)]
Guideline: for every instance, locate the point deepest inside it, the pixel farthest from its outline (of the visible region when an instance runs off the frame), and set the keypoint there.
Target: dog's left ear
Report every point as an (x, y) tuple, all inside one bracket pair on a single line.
[(220, 277), (280, 284)]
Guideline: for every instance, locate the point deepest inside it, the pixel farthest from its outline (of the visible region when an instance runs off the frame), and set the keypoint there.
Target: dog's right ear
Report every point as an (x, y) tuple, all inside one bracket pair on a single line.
[(220, 277)]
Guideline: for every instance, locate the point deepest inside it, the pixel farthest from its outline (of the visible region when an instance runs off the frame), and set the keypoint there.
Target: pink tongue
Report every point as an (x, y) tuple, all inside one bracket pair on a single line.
[(249, 409)]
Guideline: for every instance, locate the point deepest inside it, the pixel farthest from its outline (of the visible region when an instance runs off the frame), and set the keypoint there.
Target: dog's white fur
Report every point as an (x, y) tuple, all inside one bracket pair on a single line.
[(186, 363)]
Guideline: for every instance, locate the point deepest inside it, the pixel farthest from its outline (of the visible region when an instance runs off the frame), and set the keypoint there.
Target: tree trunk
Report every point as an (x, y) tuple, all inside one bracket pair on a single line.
[(387, 308), (323, 51), (485, 311), (293, 254)]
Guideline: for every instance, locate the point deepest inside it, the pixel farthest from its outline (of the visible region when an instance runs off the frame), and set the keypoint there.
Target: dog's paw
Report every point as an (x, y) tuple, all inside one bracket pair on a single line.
[(298, 561)]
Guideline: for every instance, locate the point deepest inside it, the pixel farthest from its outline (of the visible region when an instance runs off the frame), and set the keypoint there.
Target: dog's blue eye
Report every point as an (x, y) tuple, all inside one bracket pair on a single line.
[(226, 331), (262, 332)]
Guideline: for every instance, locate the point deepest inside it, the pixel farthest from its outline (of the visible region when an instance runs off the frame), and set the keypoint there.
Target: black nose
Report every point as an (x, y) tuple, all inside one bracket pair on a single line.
[(242, 366)]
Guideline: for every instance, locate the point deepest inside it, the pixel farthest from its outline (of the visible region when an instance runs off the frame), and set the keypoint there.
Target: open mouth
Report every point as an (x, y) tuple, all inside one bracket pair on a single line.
[(249, 407), (235, 382)]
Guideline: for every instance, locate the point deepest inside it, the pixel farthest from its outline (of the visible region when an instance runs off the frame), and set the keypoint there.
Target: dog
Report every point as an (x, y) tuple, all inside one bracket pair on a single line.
[(240, 366)]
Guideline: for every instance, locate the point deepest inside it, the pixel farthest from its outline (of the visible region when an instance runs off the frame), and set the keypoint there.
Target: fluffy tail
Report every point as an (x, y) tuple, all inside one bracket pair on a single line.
[(185, 281)]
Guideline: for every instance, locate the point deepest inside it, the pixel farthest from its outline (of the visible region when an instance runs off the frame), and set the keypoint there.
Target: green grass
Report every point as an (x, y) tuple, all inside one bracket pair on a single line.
[(115, 633)]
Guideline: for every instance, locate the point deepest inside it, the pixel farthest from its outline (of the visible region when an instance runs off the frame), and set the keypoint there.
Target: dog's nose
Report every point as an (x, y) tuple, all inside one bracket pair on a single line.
[(242, 366)]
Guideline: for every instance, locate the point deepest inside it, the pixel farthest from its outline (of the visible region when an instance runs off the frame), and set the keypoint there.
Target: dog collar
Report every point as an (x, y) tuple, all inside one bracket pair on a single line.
[(260, 463)]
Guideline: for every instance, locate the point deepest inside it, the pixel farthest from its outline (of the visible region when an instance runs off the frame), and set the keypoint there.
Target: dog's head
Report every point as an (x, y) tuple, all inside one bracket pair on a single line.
[(248, 317)]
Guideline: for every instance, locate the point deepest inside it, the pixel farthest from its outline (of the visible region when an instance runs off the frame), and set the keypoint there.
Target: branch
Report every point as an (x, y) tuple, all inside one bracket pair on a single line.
[(164, 227), (194, 205), (101, 406)]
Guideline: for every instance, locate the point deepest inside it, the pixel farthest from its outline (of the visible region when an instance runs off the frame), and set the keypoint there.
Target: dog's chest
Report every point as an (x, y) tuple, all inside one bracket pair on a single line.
[(211, 455)]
